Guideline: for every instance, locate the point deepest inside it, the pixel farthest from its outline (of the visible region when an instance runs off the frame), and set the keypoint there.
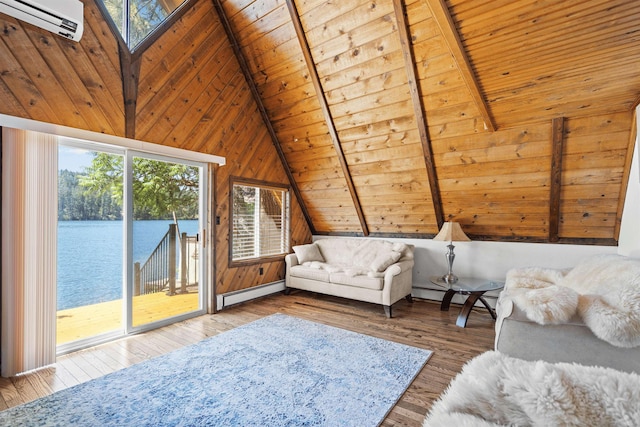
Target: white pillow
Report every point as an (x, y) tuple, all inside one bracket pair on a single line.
[(384, 260), (307, 253)]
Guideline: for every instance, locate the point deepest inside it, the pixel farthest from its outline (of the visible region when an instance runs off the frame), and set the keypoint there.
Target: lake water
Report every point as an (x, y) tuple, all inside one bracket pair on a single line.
[(90, 257)]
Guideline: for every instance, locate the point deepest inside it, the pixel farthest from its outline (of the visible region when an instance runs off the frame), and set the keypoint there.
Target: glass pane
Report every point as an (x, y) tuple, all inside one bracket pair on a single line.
[(244, 222), (143, 16), (259, 222), (116, 10), (166, 248), (89, 244), (147, 15), (271, 222)]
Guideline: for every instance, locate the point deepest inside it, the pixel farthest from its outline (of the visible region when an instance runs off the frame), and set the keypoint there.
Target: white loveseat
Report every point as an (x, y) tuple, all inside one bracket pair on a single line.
[(371, 270)]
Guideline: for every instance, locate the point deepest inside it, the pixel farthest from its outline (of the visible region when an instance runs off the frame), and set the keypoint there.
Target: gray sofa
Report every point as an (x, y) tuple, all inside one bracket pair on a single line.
[(572, 341), (371, 270), (588, 315)]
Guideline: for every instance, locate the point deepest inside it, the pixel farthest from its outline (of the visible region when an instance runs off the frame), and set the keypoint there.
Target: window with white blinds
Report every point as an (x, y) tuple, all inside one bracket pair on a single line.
[(260, 220)]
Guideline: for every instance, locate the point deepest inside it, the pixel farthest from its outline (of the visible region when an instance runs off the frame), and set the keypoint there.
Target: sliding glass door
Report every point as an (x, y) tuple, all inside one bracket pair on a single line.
[(90, 243), (130, 251), (166, 212)]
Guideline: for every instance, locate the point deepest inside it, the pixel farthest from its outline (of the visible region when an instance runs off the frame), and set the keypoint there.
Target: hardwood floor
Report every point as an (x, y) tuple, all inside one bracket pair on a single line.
[(420, 324)]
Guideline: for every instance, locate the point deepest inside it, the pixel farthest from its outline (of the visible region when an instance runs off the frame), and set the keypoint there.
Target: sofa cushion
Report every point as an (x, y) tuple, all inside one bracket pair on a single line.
[(360, 281), (308, 253), (384, 260), (338, 251), (306, 272)]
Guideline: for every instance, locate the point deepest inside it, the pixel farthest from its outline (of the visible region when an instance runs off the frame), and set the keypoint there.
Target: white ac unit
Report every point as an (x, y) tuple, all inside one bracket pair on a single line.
[(62, 17)]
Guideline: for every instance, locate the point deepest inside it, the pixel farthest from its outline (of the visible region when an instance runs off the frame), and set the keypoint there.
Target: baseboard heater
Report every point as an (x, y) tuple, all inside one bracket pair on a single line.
[(243, 295), (419, 291)]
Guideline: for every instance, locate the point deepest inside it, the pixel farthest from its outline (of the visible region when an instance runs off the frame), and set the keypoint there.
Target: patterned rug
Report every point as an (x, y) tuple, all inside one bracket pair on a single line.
[(276, 371)]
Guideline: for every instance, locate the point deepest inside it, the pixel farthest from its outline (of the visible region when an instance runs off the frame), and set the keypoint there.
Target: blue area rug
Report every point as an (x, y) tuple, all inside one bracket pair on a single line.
[(276, 371)]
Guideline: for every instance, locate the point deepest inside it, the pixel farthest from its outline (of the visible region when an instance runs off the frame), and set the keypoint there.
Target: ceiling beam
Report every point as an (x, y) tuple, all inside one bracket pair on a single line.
[(421, 119), (440, 12), (263, 112), (130, 70), (304, 44), (557, 141)]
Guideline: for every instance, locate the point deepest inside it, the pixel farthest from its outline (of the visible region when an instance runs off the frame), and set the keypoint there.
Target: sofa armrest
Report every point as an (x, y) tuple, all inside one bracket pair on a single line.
[(397, 268), (291, 260)]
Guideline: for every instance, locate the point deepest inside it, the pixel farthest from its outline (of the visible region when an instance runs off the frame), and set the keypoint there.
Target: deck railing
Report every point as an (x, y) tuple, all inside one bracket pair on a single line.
[(160, 271)]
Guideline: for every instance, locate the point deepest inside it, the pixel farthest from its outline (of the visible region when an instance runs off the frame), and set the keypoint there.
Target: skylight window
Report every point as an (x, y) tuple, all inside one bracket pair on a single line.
[(136, 19)]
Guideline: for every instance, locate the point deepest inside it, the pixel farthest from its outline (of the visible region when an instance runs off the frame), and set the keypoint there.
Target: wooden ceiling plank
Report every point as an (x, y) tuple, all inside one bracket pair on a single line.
[(295, 18), (166, 67), (447, 27), (557, 138), (421, 120), (11, 104), (101, 59), (263, 112), (530, 21), (566, 62)]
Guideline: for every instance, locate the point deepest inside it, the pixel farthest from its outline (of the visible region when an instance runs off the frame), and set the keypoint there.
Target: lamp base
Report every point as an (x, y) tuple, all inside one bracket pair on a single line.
[(450, 278)]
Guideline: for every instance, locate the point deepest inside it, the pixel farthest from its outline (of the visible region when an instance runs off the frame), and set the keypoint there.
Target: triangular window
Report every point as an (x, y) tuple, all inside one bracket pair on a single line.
[(136, 19)]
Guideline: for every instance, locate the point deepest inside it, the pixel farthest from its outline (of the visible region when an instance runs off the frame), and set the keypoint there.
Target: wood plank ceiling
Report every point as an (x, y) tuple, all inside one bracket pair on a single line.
[(387, 117), (514, 118)]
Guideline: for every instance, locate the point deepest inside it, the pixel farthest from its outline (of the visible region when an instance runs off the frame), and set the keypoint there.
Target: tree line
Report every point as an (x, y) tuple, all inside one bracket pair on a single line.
[(76, 204), (160, 190)]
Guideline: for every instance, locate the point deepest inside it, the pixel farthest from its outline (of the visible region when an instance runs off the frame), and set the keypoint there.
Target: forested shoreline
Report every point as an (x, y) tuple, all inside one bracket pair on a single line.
[(161, 190), (75, 203)]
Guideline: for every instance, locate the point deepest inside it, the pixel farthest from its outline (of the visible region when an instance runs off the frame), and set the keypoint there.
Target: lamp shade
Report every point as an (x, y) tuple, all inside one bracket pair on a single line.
[(451, 232)]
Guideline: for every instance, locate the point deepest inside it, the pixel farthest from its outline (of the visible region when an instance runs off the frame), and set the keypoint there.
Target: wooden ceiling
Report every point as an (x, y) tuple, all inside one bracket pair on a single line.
[(511, 117), (387, 117)]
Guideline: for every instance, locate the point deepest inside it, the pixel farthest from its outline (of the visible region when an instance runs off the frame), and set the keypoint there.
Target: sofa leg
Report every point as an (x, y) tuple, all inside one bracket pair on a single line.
[(387, 311), (409, 298), (287, 291)]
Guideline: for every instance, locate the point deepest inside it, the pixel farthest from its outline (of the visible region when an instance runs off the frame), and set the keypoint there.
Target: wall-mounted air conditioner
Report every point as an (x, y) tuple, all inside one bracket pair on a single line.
[(62, 17)]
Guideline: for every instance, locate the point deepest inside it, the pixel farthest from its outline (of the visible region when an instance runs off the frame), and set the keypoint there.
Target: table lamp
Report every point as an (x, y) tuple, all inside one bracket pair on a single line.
[(451, 232)]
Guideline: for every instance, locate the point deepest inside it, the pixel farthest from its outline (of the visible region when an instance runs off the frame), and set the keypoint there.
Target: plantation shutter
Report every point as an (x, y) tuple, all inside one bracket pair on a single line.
[(259, 221)]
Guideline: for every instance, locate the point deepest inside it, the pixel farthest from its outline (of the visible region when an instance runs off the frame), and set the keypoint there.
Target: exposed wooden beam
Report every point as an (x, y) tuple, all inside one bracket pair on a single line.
[(421, 119), (302, 38), (130, 69), (557, 141), (440, 12), (263, 112), (129, 72), (627, 171)]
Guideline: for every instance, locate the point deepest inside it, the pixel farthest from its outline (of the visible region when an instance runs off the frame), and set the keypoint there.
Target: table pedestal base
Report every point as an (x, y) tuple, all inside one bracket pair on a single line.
[(468, 305)]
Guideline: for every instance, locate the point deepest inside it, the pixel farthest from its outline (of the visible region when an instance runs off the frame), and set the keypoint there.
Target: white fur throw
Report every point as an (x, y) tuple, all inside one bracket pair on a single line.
[(603, 290), (498, 390)]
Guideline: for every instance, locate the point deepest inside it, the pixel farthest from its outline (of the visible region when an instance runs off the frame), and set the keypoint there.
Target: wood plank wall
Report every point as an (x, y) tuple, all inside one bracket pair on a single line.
[(266, 35), (191, 94), (47, 78)]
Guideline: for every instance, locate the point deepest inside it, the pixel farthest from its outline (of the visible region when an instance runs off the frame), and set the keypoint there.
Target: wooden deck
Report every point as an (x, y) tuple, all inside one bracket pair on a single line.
[(91, 320), (420, 324)]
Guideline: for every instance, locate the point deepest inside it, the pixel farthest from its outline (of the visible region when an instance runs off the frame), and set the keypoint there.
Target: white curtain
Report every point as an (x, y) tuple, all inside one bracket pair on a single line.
[(29, 233)]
